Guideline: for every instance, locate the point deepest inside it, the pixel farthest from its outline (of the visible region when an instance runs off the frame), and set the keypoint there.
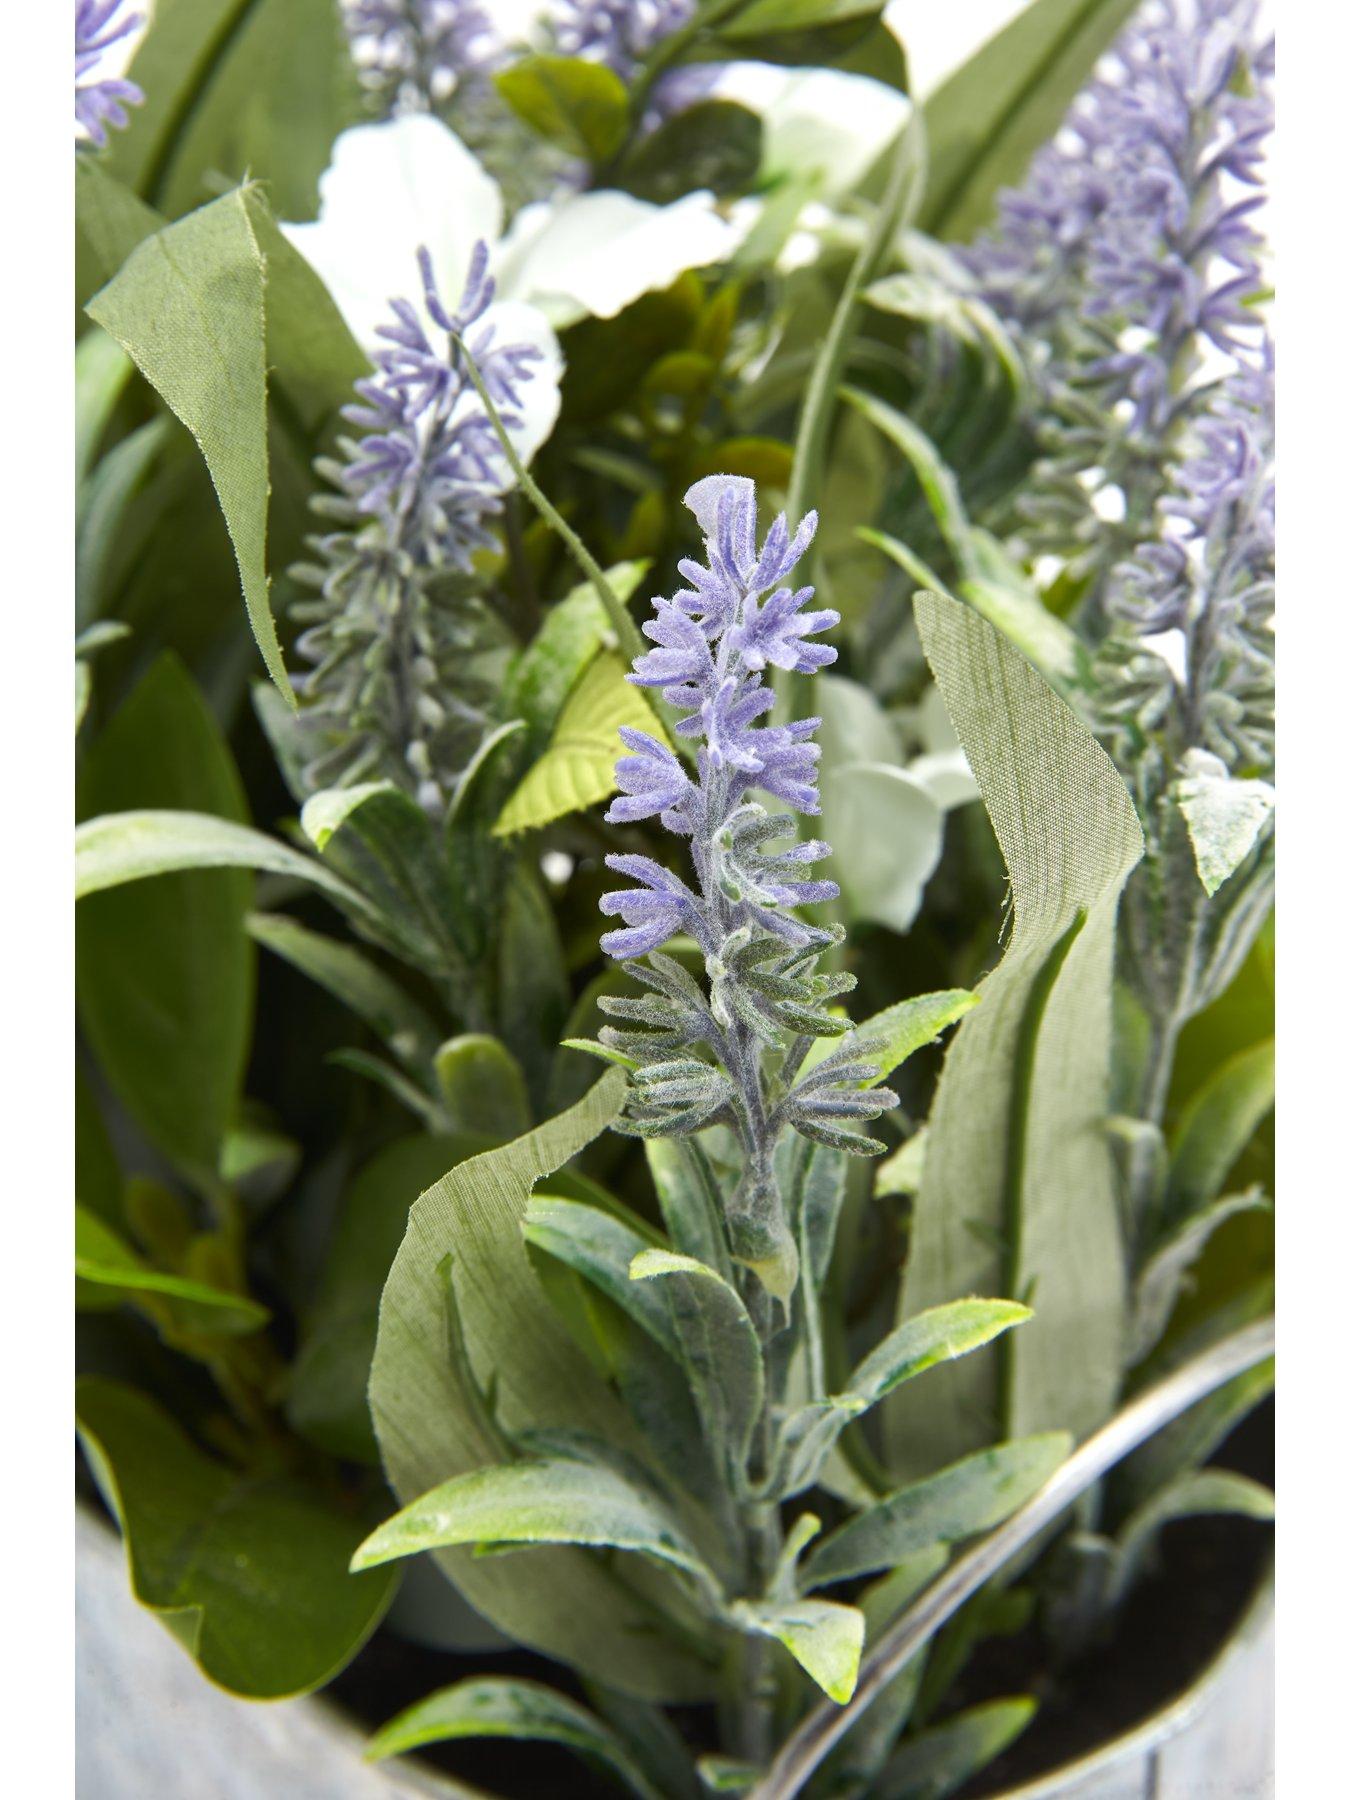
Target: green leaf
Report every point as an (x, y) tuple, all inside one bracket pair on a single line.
[(986, 122), (1215, 1126), (482, 1086), (235, 88), (102, 510), (247, 1569), (939, 1760), (105, 1259), (567, 641), (714, 145), (690, 1201), (824, 1637), (580, 105), (187, 307), (429, 1425), (351, 977), (122, 847), (932, 1337), (899, 1030), (846, 34), (326, 1384), (602, 1248), (1198, 1491), (520, 1710), (969, 1496), (577, 769), (109, 223), (1025, 1204), (164, 973), (552, 1501), (1159, 1282), (719, 1348), (1225, 814)]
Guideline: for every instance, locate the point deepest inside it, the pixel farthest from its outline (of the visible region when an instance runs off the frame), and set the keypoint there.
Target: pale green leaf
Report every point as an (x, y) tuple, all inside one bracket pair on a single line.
[(248, 1569), (969, 1496), (1216, 1125), (929, 1338), (1198, 1491), (824, 1637), (602, 1248), (493, 1707), (1159, 1283), (885, 830), (577, 769), (1018, 1194), (430, 1428), (892, 1036), (565, 643), (938, 1760), (1225, 814)]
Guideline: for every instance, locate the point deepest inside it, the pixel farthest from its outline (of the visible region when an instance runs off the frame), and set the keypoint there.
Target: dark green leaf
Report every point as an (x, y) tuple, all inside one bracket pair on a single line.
[(715, 144), (482, 1086), (1216, 1125), (580, 105), (935, 1762)]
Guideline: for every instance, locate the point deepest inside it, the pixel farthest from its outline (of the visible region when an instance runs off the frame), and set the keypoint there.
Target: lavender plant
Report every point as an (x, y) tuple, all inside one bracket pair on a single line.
[(412, 55), (391, 630), (101, 100)]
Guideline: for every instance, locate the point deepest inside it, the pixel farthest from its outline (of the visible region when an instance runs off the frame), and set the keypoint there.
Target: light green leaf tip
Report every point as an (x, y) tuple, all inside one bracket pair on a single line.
[(824, 1637)]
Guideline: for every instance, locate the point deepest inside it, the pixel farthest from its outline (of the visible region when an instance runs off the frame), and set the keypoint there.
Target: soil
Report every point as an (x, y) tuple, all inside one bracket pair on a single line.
[(1173, 1625)]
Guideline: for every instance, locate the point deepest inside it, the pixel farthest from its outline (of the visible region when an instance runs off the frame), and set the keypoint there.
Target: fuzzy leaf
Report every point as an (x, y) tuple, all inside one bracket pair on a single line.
[(429, 1423), (248, 1570), (899, 1031), (932, 1337), (969, 1496), (1216, 1125), (938, 1760), (824, 1637), (1025, 1205), (1225, 814), (507, 1708), (1198, 1491), (601, 1248), (482, 1086), (577, 769), (1160, 1280)]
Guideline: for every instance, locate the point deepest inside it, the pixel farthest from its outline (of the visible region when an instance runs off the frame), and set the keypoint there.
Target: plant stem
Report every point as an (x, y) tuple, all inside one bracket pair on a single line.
[(764, 1543)]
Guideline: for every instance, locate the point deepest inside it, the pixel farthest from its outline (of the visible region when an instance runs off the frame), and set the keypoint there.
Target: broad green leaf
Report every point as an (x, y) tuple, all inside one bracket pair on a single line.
[(510, 1708), (714, 145), (969, 1496), (236, 88), (351, 977), (1159, 1282), (938, 1760), (164, 973), (1225, 814), (430, 1429), (122, 847), (106, 1260), (1018, 1190), (844, 34), (248, 1570), (482, 1086), (824, 1637), (187, 307), (1198, 1491), (558, 1501), (1215, 1126), (567, 641), (986, 122), (602, 1248), (326, 1384), (577, 769), (580, 105), (719, 1347)]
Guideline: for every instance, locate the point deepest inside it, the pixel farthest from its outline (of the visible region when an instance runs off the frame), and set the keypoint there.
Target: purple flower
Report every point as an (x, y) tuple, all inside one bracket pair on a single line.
[(618, 33), (653, 780), (658, 909), (101, 102), (414, 53)]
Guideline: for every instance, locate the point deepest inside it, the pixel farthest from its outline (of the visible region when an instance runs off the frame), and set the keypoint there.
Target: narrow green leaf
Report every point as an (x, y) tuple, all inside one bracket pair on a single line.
[(248, 1570), (899, 1030), (1159, 1283), (824, 1637), (986, 122), (577, 769), (1214, 1129), (428, 1424), (601, 1248), (507, 1708), (687, 1192), (969, 1496), (571, 634), (187, 307), (1198, 1491), (939, 1760), (105, 1259), (929, 1338), (580, 105), (1026, 1204)]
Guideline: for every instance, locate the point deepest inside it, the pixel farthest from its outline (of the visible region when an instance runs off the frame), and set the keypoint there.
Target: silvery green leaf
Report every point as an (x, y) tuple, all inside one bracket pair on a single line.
[(1216, 1125), (1197, 1491), (690, 1200), (891, 1037), (967, 1497), (133, 846), (937, 1761), (1224, 813), (493, 1707), (602, 1248), (1159, 1282), (719, 1348), (824, 1637)]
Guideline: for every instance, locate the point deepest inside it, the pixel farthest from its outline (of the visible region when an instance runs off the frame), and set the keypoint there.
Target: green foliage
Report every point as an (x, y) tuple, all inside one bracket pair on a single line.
[(580, 106), (715, 145), (245, 1567), (937, 1761), (108, 1262)]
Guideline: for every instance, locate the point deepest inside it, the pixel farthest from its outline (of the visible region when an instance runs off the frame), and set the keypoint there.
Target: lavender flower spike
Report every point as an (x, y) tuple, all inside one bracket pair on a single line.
[(713, 641), (413, 54), (101, 102)]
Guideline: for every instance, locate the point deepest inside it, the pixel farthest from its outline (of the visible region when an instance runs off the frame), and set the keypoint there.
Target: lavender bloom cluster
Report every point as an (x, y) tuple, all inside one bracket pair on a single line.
[(102, 101), (413, 54), (618, 33), (411, 502), (713, 642)]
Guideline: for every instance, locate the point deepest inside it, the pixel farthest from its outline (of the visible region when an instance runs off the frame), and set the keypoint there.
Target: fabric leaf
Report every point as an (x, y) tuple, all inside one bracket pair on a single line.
[(824, 1637)]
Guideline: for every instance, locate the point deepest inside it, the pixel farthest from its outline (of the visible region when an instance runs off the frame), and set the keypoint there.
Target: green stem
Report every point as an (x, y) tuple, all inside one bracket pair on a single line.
[(670, 50), (764, 1543), (630, 638)]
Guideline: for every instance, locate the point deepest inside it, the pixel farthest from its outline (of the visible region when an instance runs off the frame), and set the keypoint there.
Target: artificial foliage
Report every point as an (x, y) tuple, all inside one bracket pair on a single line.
[(538, 480)]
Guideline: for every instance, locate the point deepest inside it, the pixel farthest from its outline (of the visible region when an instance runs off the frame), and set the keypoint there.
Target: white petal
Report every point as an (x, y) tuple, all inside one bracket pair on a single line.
[(513, 322), (820, 122), (389, 189), (598, 252)]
